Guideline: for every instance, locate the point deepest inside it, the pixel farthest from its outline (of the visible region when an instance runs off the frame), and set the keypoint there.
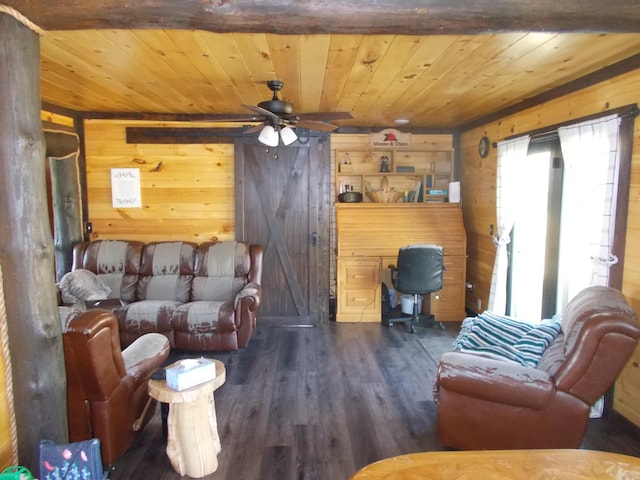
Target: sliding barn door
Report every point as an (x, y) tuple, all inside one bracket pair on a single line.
[(283, 203)]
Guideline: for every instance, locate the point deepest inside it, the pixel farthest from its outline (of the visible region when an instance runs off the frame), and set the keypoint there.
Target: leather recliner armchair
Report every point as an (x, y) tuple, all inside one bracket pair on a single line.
[(486, 403), (107, 392)]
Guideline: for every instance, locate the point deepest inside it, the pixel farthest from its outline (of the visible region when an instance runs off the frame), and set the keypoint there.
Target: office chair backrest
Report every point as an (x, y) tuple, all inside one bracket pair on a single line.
[(419, 269)]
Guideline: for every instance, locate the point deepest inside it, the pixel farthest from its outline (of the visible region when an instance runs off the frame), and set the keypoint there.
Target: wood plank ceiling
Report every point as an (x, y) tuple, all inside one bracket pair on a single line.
[(454, 62), (434, 81)]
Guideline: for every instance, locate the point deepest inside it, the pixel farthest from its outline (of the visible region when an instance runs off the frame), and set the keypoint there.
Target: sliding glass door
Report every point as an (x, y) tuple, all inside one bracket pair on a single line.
[(533, 262)]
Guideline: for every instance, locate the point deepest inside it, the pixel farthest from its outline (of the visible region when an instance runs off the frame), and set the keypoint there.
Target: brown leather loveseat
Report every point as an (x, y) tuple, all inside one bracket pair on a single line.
[(201, 297), (107, 389), (487, 403)]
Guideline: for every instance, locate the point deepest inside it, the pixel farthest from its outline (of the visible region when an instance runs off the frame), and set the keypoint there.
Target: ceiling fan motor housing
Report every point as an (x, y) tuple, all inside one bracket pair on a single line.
[(279, 107), (275, 105)]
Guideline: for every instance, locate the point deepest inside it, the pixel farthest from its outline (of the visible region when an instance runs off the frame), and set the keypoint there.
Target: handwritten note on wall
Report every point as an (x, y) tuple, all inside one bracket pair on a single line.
[(125, 188)]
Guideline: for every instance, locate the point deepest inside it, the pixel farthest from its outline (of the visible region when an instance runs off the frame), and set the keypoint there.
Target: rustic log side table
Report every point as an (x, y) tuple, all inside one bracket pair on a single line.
[(193, 443)]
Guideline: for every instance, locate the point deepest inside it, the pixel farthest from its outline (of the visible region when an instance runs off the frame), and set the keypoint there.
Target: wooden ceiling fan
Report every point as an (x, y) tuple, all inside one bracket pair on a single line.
[(278, 115)]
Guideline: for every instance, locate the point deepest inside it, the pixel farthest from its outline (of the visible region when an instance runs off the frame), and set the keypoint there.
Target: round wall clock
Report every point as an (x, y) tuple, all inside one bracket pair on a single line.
[(483, 147)]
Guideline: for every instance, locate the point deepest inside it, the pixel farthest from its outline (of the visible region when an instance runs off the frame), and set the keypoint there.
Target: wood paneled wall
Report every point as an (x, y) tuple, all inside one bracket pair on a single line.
[(478, 182), (187, 190)]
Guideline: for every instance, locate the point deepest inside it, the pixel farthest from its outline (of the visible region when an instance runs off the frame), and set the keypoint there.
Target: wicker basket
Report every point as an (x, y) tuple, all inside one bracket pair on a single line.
[(380, 196), (384, 194)]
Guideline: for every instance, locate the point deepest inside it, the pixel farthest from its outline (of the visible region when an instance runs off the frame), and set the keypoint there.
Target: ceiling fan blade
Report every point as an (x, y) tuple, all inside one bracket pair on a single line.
[(261, 111), (323, 127), (325, 116), (255, 128)]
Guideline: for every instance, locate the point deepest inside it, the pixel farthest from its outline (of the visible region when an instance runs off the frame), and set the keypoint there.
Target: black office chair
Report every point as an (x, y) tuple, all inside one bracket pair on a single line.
[(419, 272)]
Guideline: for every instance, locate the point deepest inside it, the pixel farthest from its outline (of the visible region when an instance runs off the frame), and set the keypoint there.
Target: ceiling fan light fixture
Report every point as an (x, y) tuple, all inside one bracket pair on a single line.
[(269, 136), (288, 136)]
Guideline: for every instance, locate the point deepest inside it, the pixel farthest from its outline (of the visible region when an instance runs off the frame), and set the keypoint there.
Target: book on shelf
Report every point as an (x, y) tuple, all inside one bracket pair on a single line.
[(417, 189), (437, 195)]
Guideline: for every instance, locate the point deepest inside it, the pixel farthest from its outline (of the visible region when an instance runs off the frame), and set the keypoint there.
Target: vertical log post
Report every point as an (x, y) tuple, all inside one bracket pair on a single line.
[(26, 246)]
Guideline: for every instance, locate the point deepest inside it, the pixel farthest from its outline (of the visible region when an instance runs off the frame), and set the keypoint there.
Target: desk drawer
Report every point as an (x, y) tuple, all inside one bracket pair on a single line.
[(358, 290), (359, 273)]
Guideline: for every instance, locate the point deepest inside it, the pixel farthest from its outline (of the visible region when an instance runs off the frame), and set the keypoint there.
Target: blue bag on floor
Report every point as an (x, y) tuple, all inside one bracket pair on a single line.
[(71, 461)]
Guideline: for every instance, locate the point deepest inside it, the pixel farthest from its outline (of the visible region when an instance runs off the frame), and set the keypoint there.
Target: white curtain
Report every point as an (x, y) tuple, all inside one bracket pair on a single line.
[(510, 154), (590, 186)]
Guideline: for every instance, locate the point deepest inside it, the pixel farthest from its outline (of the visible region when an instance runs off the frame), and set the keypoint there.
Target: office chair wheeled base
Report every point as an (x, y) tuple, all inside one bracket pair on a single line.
[(424, 321), (414, 320)]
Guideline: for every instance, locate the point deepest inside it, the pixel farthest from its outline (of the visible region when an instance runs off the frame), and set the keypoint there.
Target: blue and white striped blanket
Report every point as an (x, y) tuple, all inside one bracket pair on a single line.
[(515, 340)]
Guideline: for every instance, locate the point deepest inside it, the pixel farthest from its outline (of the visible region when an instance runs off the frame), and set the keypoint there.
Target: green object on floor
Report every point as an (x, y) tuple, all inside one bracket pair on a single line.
[(16, 473)]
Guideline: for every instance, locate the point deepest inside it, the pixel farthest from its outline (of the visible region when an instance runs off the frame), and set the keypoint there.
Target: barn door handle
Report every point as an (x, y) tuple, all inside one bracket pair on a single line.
[(314, 239)]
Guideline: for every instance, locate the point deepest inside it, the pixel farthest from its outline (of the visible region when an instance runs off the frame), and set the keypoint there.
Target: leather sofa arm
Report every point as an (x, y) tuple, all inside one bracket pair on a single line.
[(145, 355), (495, 380), (246, 305), (252, 291)]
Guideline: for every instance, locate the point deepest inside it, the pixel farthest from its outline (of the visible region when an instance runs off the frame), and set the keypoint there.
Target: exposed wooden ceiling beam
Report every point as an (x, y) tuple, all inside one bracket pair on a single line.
[(409, 17)]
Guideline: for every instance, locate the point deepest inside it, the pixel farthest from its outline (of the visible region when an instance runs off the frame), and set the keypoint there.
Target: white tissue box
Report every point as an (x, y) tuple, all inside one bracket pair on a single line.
[(190, 372)]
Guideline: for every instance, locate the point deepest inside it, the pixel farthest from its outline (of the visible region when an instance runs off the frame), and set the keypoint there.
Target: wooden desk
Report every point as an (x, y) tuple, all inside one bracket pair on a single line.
[(193, 443), (369, 237), (503, 465)]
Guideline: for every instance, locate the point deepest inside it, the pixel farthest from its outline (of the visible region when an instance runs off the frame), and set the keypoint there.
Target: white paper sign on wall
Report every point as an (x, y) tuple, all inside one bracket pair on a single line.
[(125, 188)]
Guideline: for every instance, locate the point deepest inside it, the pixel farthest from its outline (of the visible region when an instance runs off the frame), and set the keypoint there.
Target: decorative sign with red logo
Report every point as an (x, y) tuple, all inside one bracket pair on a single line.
[(390, 138)]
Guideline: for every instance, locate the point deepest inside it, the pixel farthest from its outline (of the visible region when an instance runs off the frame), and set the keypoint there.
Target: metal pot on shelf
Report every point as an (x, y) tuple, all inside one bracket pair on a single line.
[(350, 197)]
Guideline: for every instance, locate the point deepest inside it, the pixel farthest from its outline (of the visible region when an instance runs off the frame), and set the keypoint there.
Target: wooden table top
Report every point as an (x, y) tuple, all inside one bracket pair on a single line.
[(503, 465), (159, 389)]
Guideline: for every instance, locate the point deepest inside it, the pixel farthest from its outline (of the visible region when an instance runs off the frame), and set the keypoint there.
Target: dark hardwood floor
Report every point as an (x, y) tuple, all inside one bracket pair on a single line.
[(319, 403)]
